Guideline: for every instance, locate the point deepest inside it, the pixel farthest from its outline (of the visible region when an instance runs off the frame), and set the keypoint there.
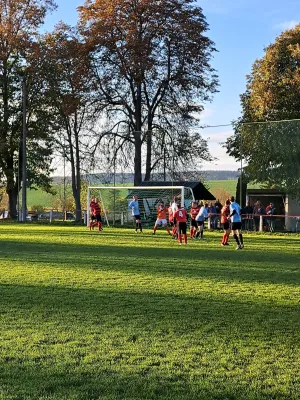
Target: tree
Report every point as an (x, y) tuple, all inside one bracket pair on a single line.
[(20, 20), (267, 135), (70, 88), (152, 60)]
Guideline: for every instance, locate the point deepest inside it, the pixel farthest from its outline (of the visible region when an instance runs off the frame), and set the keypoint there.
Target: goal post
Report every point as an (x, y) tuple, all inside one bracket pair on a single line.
[(114, 201)]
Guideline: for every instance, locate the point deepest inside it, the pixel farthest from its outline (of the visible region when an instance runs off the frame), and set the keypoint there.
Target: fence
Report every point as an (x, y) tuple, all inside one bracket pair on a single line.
[(261, 223)]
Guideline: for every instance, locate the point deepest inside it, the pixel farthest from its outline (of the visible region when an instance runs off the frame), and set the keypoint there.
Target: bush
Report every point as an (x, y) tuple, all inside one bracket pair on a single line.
[(37, 208)]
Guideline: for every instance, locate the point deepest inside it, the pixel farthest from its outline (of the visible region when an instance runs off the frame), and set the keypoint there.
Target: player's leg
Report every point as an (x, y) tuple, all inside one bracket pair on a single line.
[(155, 227), (199, 223), (191, 230), (179, 231), (184, 229), (241, 238), (92, 222), (99, 222), (174, 229), (140, 223), (200, 229), (226, 233), (165, 225), (235, 235), (136, 222)]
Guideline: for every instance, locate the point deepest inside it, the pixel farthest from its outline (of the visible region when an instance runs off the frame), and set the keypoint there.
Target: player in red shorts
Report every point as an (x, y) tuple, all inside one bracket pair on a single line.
[(225, 221), (193, 213), (181, 219), (96, 214)]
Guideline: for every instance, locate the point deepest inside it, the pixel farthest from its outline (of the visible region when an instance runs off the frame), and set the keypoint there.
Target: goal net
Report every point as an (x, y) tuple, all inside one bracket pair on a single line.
[(114, 201)]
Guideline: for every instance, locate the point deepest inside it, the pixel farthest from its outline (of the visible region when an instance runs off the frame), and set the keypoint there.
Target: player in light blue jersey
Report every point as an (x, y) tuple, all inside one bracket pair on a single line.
[(236, 223), (134, 206), (200, 218)]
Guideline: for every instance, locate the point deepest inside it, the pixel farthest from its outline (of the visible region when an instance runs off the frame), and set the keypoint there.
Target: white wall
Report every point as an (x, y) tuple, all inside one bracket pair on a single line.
[(292, 209)]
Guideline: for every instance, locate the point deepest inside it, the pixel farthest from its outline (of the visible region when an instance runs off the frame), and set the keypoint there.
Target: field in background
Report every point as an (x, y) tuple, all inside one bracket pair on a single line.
[(118, 315), (38, 197)]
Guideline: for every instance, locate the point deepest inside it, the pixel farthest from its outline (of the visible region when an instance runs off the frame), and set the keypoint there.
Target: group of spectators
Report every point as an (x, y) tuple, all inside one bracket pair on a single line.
[(250, 215)]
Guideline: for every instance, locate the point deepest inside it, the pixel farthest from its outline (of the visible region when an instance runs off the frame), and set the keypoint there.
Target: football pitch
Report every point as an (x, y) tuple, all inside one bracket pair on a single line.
[(118, 315)]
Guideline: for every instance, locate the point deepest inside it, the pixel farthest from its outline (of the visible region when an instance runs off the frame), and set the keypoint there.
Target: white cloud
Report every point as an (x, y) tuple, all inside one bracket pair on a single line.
[(223, 160), (216, 137), (206, 114), (283, 26)]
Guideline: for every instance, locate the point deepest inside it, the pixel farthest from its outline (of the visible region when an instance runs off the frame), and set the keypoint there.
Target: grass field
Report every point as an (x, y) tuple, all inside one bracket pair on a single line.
[(118, 315)]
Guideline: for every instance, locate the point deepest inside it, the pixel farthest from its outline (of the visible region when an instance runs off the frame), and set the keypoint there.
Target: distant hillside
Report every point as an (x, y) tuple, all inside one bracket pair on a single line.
[(103, 178), (221, 175)]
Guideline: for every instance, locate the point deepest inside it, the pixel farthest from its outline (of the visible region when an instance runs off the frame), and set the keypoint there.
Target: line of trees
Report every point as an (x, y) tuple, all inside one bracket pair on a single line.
[(124, 88)]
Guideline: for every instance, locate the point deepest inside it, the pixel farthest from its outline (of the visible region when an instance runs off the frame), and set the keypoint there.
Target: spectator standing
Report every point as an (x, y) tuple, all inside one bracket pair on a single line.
[(212, 213), (248, 216), (271, 211), (259, 210)]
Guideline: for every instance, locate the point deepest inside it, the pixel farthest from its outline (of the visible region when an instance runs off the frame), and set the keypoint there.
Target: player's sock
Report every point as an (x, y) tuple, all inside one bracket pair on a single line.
[(140, 226), (179, 238), (236, 239), (201, 234), (197, 234), (227, 237), (224, 238), (154, 229), (136, 226), (241, 238), (185, 238), (191, 232)]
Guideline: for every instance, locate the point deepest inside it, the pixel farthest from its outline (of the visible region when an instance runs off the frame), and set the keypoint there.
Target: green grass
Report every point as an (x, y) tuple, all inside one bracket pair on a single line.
[(227, 185), (118, 315)]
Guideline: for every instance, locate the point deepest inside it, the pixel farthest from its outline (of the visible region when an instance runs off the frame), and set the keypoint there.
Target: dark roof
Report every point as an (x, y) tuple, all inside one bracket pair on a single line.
[(199, 190), (265, 192)]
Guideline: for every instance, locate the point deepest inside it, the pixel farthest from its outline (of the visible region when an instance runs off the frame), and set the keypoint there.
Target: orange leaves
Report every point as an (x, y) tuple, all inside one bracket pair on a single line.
[(20, 20)]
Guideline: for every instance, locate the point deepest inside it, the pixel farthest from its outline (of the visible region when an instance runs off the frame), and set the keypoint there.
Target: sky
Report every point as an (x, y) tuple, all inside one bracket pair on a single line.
[(241, 29)]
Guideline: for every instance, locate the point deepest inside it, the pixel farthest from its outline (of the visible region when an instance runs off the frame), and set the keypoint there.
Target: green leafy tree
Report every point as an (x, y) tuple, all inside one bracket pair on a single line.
[(267, 136), (19, 60)]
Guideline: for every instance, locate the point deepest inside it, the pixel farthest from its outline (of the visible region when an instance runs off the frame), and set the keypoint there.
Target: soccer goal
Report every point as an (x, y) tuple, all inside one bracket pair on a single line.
[(115, 200)]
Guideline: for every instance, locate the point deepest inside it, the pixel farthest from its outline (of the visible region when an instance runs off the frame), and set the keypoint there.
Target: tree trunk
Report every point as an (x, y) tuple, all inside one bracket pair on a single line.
[(75, 176), (149, 150), (138, 138), (12, 192), (137, 158)]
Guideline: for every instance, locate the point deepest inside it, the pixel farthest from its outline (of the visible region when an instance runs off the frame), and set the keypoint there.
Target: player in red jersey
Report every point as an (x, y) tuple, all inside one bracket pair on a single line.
[(193, 213), (96, 214), (92, 203), (171, 221), (181, 218), (225, 221), (174, 207), (161, 218)]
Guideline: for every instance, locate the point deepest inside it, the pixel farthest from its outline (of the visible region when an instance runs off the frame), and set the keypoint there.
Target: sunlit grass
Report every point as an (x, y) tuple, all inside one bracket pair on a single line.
[(118, 315)]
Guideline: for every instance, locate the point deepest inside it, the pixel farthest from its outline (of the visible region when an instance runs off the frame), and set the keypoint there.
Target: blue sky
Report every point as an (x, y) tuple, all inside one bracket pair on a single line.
[(240, 29)]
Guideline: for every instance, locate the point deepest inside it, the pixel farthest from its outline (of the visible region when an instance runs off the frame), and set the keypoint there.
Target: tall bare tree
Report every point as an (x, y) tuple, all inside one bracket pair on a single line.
[(71, 89), (152, 58)]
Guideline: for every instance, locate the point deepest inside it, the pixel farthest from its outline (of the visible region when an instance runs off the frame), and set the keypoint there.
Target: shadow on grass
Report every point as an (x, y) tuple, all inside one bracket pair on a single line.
[(219, 264), (96, 344)]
